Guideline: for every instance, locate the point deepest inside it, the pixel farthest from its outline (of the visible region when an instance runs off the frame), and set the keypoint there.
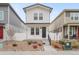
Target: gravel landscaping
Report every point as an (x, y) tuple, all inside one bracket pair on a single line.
[(26, 45)]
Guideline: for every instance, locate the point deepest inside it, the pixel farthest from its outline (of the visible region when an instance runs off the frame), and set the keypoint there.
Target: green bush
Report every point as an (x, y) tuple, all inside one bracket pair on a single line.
[(29, 42), (62, 42)]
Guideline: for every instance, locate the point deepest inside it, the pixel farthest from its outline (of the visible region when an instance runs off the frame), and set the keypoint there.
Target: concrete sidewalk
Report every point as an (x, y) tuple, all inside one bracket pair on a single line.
[(39, 52), (48, 51)]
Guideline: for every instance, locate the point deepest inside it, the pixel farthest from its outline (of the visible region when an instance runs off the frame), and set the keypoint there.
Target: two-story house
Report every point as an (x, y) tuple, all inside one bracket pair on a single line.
[(37, 21), (67, 22), (10, 22)]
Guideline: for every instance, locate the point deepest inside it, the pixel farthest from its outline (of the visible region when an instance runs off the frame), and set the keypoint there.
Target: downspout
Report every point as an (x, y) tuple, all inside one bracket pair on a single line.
[(49, 39)]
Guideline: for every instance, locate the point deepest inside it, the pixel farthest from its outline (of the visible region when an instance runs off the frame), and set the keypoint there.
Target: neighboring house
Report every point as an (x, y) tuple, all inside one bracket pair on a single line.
[(67, 23), (10, 22), (37, 21)]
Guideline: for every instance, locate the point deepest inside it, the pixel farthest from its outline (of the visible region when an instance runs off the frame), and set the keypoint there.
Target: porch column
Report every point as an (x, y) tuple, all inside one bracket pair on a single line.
[(68, 32), (77, 33), (62, 33)]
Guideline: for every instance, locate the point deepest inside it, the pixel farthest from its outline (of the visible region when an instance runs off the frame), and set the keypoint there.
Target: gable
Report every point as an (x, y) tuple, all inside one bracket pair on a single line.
[(38, 6)]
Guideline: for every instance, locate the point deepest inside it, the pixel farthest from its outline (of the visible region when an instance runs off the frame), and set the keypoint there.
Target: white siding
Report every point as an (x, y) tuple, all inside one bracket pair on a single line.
[(30, 19), (29, 36), (30, 14)]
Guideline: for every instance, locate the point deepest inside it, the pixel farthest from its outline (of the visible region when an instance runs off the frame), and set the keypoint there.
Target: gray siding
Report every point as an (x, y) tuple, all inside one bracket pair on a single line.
[(14, 20), (5, 10)]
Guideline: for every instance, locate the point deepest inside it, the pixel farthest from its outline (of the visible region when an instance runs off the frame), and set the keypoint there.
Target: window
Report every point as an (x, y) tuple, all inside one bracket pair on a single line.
[(71, 30), (76, 17), (40, 16), (67, 14), (72, 18), (1, 15), (32, 31), (37, 31), (35, 16)]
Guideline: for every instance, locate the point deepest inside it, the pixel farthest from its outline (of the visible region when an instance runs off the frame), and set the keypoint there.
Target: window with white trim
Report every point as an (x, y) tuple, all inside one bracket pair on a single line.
[(40, 16), (67, 14), (1, 15), (32, 31), (35, 16), (74, 16), (37, 31)]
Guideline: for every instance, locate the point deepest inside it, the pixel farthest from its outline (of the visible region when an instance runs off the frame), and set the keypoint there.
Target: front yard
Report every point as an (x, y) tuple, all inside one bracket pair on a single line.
[(26, 45)]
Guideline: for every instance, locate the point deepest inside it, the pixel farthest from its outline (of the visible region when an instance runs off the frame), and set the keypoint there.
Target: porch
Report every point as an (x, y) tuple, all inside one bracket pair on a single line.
[(71, 31)]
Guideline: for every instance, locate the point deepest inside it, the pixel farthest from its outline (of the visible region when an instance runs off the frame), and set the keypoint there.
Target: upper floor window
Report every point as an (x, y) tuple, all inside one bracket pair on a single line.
[(67, 14), (1, 15), (40, 16), (35, 16), (32, 31), (74, 16)]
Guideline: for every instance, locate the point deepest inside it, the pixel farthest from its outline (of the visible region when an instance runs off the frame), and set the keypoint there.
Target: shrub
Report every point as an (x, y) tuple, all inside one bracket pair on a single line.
[(40, 44), (35, 46), (62, 42), (75, 44), (14, 45), (57, 45), (29, 42)]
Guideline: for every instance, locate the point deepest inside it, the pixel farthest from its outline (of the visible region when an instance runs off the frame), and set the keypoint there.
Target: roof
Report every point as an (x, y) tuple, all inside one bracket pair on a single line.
[(7, 4), (37, 4), (72, 10), (16, 14), (65, 10), (4, 4)]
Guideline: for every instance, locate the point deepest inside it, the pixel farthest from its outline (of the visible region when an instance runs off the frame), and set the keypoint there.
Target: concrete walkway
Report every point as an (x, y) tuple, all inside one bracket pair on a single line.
[(49, 48)]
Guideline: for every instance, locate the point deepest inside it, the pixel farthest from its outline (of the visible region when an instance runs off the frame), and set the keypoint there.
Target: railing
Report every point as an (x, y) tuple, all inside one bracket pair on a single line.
[(49, 39)]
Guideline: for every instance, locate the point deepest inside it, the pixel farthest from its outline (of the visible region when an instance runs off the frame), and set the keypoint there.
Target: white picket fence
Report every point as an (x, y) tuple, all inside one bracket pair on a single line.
[(55, 36)]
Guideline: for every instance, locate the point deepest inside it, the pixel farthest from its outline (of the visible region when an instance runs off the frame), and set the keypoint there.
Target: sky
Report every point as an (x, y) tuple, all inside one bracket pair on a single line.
[(57, 8)]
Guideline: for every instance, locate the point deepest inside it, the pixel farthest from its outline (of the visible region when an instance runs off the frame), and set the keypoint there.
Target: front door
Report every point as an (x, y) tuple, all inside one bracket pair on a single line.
[(1, 32), (43, 32)]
